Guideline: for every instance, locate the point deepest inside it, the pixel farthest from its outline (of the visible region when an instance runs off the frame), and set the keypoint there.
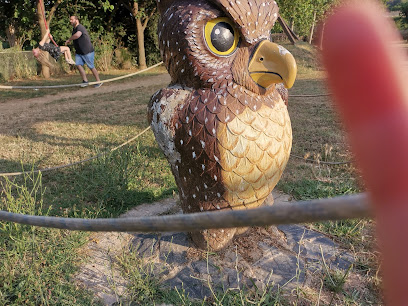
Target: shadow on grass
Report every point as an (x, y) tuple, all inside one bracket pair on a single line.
[(110, 185), (61, 141), (7, 166), (98, 120)]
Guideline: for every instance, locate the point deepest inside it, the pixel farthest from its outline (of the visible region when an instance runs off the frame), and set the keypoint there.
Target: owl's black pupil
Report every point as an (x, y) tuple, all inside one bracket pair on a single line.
[(222, 36)]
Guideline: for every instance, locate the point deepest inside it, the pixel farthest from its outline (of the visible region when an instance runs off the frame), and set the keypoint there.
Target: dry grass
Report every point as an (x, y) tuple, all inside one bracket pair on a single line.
[(69, 130)]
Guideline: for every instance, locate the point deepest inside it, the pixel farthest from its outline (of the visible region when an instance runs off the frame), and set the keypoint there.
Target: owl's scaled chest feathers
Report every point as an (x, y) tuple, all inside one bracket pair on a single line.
[(231, 145)]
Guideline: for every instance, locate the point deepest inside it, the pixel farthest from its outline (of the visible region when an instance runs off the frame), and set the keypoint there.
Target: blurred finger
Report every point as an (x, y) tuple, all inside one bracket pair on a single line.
[(368, 83)]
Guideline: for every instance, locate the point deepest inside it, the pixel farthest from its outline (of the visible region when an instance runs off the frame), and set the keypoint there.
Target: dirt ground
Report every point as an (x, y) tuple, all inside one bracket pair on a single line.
[(18, 106)]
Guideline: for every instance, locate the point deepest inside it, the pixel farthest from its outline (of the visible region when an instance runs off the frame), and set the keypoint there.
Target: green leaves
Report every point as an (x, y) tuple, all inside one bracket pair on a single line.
[(107, 6), (404, 11), (300, 13)]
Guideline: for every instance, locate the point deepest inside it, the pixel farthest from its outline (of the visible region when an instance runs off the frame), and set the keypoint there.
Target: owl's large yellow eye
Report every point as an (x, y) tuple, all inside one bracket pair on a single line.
[(221, 36)]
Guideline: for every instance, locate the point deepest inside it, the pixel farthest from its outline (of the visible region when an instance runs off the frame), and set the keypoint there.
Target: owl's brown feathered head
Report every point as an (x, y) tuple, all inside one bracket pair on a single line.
[(215, 43), (254, 18)]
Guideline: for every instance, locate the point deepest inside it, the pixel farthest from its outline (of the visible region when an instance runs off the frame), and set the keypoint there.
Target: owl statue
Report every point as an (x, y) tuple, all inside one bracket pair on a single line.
[(222, 122)]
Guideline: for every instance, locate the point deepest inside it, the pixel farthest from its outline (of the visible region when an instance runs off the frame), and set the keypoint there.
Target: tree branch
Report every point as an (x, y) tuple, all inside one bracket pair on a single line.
[(53, 10), (127, 6), (146, 20)]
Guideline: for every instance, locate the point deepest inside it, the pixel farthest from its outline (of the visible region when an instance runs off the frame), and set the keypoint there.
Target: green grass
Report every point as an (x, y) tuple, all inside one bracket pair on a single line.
[(114, 183), (36, 263), (304, 189)]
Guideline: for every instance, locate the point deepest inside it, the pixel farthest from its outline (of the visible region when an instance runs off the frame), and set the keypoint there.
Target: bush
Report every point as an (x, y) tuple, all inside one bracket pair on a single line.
[(17, 64), (404, 11), (104, 50), (123, 58)]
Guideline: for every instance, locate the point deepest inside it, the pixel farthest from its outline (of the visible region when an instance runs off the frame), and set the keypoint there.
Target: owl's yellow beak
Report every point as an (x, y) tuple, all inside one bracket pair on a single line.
[(272, 63)]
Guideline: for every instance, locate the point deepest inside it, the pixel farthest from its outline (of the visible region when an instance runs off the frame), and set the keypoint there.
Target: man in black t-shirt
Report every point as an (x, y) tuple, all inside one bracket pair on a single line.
[(85, 53)]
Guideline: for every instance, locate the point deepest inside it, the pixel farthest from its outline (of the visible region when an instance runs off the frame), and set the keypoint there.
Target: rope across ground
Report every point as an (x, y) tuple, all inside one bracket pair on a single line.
[(79, 84), (10, 106)]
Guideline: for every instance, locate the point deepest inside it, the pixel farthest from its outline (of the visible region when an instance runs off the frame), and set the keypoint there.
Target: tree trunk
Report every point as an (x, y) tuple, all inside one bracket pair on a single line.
[(140, 42), (312, 29), (11, 35), (141, 24), (321, 36), (45, 70), (287, 31)]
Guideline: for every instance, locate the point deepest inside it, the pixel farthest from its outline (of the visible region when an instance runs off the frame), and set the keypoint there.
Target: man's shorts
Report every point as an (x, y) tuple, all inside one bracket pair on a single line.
[(88, 59)]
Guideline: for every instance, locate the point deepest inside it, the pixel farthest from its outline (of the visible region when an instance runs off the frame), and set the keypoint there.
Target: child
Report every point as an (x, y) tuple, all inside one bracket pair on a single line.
[(54, 51)]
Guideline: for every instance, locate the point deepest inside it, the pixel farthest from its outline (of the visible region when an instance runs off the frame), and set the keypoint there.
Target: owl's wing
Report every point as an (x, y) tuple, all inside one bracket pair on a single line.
[(283, 91), (162, 111)]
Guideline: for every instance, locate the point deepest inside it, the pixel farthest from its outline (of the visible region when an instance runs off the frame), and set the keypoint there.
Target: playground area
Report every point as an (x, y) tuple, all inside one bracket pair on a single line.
[(61, 126), (82, 151)]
